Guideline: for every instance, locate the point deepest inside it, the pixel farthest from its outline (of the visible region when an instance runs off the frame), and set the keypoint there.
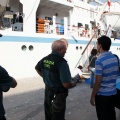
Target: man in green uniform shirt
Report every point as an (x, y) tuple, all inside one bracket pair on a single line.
[(57, 78)]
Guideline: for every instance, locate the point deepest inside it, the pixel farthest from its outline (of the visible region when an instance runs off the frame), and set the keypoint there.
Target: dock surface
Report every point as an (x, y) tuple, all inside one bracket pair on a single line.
[(25, 102)]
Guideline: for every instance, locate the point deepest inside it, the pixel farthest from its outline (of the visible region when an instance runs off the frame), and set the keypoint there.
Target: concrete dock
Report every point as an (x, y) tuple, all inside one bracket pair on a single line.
[(25, 102)]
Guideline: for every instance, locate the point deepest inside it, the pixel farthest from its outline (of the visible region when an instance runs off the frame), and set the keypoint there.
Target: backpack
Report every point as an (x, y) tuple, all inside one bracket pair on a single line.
[(118, 61), (117, 96)]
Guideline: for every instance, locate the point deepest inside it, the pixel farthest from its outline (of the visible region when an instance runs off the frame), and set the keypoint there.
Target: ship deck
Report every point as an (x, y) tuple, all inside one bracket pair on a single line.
[(25, 102)]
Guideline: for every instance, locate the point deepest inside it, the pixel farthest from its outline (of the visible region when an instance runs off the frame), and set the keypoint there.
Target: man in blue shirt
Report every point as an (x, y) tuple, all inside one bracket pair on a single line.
[(104, 89), (6, 82), (57, 78)]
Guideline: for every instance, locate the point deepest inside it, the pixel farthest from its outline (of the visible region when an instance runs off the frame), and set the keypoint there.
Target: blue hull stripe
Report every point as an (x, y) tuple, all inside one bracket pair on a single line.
[(42, 40), (37, 39)]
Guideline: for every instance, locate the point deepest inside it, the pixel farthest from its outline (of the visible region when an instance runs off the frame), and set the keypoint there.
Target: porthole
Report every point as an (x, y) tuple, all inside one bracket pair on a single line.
[(31, 48), (76, 47), (119, 48), (24, 47), (81, 47)]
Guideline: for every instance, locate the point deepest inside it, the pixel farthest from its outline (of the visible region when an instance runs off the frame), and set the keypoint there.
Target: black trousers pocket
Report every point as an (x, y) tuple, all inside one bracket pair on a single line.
[(59, 102)]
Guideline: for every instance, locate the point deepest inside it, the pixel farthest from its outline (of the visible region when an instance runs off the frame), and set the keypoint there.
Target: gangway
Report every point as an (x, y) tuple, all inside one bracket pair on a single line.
[(84, 57)]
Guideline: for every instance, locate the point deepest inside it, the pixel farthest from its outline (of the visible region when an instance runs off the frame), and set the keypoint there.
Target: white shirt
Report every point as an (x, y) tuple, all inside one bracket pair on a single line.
[(76, 71), (109, 32)]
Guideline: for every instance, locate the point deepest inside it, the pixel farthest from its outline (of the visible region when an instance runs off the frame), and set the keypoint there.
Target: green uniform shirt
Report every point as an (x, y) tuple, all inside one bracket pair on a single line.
[(55, 70)]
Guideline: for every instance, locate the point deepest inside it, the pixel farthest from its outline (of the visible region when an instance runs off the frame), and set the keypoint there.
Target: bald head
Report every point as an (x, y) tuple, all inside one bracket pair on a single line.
[(59, 46), (65, 41)]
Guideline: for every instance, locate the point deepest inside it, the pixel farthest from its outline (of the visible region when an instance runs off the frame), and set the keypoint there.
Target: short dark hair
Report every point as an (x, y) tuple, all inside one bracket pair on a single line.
[(94, 51), (105, 42)]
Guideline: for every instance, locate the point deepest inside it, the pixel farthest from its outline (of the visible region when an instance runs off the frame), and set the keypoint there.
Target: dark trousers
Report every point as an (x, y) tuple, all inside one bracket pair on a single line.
[(117, 99), (55, 105), (105, 107), (99, 32), (3, 118)]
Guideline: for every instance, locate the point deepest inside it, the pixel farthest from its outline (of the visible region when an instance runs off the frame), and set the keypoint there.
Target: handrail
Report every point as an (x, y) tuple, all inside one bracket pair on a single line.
[(85, 49), (88, 44), (102, 10), (111, 27), (116, 22), (107, 30)]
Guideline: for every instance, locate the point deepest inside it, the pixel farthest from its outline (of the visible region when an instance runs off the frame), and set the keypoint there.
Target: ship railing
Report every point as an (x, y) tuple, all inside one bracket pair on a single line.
[(17, 26), (80, 31), (84, 57), (58, 29), (74, 31), (12, 27)]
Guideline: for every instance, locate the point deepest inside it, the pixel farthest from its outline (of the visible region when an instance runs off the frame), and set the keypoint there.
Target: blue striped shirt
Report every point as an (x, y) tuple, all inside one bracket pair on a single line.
[(107, 66)]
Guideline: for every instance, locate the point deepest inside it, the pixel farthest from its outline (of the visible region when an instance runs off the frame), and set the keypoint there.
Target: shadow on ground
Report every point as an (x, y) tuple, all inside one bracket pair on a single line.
[(29, 105)]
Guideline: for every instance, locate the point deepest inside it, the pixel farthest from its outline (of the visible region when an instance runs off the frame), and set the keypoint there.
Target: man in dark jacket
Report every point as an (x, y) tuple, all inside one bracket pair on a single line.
[(6, 82), (57, 78)]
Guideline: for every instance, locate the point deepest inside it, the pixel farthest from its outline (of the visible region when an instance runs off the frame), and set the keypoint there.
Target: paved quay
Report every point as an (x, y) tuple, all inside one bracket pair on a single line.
[(25, 102)]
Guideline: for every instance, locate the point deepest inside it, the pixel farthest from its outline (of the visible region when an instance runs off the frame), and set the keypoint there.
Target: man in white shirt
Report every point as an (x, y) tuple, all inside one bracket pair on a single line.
[(109, 31), (76, 74)]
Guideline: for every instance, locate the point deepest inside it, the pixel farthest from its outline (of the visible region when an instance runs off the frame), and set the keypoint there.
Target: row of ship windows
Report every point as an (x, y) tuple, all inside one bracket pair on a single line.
[(24, 48), (118, 48), (31, 48)]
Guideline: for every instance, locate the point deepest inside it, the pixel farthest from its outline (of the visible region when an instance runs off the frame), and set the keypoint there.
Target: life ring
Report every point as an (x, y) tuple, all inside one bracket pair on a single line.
[(40, 25), (39, 20), (40, 30)]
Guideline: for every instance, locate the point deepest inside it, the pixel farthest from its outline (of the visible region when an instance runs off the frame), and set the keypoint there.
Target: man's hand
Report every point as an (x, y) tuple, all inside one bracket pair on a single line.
[(95, 89), (14, 83), (92, 101), (69, 85)]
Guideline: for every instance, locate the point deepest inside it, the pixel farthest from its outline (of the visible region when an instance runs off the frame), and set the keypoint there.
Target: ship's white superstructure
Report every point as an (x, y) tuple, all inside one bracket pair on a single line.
[(28, 29)]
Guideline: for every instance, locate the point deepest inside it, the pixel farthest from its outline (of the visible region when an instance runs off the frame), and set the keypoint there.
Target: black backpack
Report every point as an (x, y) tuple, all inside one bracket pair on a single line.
[(118, 61), (117, 96)]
